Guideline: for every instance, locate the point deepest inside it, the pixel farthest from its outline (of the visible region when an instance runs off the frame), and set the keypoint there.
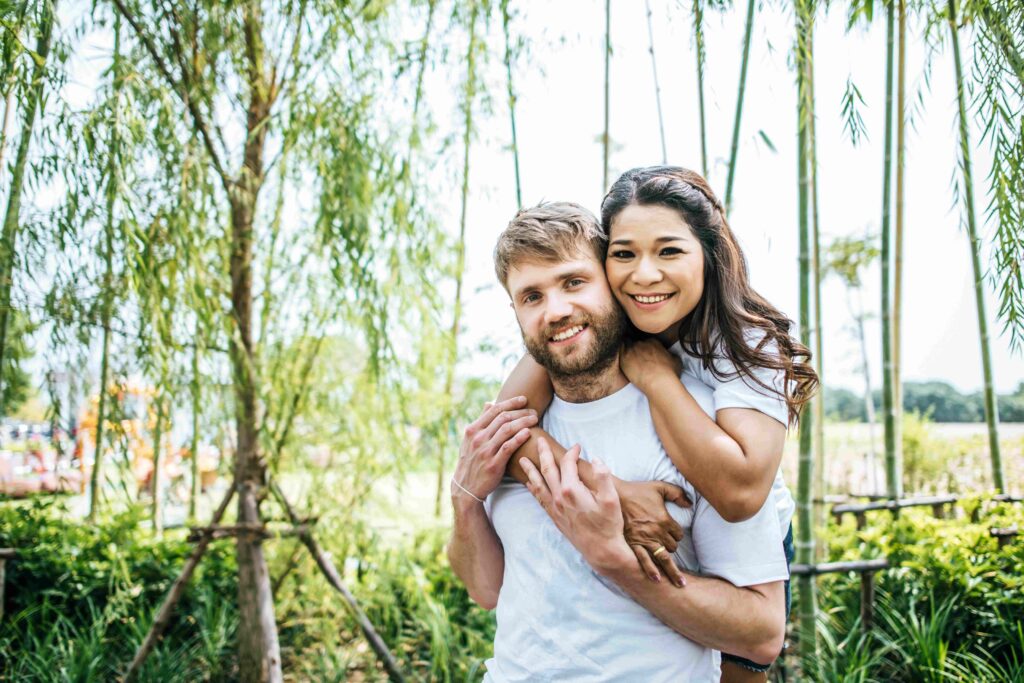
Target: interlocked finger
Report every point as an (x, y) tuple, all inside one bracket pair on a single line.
[(502, 419), (536, 484), (646, 564), (509, 428), (666, 561)]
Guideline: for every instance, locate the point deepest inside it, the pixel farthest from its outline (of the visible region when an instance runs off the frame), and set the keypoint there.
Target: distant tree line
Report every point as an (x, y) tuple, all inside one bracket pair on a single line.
[(938, 399)]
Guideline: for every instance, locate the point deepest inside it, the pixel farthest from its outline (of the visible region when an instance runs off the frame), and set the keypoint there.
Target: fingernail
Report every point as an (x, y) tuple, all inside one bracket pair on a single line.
[(682, 582), (657, 578)]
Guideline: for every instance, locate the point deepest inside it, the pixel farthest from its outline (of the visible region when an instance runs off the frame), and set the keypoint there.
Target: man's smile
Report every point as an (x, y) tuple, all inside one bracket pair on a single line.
[(568, 334)]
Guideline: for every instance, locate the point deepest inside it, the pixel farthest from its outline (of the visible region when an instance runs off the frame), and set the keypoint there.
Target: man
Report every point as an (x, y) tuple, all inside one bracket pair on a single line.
[(572, 602)]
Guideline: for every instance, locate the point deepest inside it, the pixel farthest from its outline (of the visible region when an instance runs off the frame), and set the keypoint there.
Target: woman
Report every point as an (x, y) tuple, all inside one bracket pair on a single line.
[(674, 265)]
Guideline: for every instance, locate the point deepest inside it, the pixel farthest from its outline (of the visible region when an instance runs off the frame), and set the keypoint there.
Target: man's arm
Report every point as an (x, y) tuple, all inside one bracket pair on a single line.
[(747, 621), (648, 525), (474, 550)]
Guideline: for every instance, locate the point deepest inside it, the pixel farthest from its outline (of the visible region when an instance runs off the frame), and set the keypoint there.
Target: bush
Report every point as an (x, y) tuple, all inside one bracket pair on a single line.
[(951, 609), (80, 598)]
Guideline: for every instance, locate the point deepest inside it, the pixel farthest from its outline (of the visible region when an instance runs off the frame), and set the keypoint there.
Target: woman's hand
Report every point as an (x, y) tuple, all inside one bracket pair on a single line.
[(644, 361), (649, 527)]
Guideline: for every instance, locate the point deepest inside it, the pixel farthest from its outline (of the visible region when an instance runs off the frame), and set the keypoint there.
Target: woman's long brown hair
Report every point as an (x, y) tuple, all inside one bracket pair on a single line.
[(729, 309)]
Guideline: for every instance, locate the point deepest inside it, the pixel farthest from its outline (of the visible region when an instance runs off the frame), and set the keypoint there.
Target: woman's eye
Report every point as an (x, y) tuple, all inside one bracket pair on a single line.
[(671, 251), (622, 254)]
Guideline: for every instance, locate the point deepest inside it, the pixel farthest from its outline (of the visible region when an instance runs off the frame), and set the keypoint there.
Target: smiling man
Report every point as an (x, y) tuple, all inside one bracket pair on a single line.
[(572, 602)]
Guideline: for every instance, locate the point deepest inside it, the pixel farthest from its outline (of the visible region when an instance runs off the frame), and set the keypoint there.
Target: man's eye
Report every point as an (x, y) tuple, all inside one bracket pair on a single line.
[(575, 282), (531, 298)]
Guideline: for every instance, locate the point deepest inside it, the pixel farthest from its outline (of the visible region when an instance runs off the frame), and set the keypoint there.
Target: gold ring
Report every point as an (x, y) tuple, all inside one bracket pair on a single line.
[(661, 549)]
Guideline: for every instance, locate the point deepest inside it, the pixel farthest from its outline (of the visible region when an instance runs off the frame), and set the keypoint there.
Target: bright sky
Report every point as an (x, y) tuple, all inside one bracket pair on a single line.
[(560, 117)]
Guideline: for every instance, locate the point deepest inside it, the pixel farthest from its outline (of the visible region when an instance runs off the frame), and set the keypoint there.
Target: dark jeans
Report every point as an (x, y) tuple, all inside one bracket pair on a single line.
[(788, 549)]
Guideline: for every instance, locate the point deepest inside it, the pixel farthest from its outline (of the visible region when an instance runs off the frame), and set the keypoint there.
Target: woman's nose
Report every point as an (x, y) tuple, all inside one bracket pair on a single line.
[(646, 272)]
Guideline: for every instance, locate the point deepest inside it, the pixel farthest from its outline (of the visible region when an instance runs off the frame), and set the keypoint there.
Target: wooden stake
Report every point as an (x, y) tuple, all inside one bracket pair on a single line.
[(333, 578), (164, 615)]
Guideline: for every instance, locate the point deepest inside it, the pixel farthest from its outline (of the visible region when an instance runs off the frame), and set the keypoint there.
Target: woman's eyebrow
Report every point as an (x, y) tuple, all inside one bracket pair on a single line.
[(660, 240)]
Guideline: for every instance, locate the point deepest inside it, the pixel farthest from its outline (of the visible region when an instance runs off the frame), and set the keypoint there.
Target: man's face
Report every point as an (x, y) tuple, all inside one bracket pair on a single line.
[(569, 320)]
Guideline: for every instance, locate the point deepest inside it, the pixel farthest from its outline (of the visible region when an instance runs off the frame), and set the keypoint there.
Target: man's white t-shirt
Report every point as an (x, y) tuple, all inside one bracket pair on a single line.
[(733, 390), (557, 619)]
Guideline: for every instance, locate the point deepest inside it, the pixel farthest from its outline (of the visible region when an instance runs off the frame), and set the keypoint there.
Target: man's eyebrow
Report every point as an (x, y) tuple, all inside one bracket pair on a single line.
[(660, 240), (561, 276)]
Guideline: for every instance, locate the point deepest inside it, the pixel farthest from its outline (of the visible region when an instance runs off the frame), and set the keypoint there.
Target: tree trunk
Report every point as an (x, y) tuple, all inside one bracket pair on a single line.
[(460, 265), (893, 466), (741, 89), (657, 87), (9, 238), (157, 476), (605, 140), (698, 38), (991, 409), (196, 488), (511, 98), (805, 523), (259, 654), (108, 280)]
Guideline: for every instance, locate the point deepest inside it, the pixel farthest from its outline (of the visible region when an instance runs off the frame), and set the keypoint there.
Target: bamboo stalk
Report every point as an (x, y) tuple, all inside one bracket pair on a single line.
[(897, 276), (505, 20), (460, 264), (605, 140), (893, 467), (805, 531), (819, 356), (991, 408), (741, 89), (657, 87), (698, 36)]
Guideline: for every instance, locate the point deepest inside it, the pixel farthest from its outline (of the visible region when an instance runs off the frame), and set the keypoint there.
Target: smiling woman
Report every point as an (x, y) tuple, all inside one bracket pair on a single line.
[(655, 267)]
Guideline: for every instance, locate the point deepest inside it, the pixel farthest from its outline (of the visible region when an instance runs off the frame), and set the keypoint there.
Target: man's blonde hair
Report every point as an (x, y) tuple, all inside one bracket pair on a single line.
[(548, 232)]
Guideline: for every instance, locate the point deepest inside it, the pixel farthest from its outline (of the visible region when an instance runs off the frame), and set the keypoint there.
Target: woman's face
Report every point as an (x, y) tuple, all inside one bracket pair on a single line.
[(655, 268)]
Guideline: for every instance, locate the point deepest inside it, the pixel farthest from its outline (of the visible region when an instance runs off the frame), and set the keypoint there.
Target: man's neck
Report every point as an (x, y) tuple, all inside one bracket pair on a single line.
[(590, 385)]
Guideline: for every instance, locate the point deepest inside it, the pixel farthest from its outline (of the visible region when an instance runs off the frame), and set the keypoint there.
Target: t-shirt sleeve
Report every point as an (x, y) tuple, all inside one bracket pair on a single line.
[(735, 390), (743, 553)]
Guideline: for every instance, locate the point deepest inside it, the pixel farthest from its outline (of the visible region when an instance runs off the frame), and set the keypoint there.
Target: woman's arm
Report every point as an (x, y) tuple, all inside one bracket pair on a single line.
[(648, 524), (732, 462)]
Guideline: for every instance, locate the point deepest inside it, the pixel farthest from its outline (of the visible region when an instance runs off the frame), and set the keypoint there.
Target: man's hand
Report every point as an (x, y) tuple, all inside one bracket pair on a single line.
[(644, 361), (590, 519), (488, 444), (649, 527)]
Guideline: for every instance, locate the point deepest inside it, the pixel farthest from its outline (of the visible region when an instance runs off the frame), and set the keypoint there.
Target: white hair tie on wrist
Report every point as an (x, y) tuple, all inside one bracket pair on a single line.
[(468, 492)]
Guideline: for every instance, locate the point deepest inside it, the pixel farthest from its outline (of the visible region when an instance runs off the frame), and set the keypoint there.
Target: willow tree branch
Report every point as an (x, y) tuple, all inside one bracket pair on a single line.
[(193, 108)]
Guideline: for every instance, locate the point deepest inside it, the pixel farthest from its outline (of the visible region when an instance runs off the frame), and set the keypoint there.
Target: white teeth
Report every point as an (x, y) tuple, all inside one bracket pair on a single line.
[(568, 333), (650, 299)]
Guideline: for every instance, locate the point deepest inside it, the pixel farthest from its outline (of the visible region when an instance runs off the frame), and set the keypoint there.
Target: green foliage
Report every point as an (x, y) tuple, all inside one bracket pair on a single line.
[(86, 595), (951, 608)]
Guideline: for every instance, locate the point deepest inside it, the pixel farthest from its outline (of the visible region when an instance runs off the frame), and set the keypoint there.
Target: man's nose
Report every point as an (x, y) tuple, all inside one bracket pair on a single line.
[(646, 272), (558, 308)]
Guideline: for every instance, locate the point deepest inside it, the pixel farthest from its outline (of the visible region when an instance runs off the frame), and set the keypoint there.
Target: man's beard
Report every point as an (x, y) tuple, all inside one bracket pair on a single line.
[(607, 327)]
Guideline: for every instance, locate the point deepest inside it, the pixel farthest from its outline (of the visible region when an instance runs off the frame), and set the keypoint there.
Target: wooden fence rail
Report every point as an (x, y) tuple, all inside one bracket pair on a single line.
[(866, 569)]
